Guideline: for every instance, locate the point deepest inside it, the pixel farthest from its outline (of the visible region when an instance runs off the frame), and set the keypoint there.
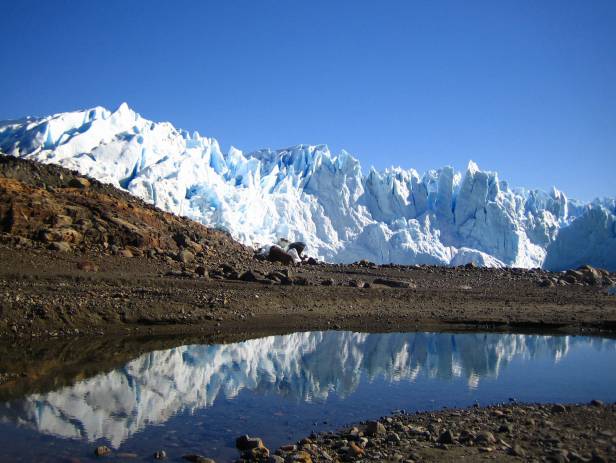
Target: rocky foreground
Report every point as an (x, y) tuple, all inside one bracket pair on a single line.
[(512, 432)]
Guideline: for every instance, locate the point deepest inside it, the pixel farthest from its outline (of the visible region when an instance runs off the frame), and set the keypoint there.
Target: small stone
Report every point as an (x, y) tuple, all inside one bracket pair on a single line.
[(517, 451), (60, 246), (87, 266), (355, 450), (558, 408), (249, 275), (197, 458), (446, 437), (102, 451), (505, 428), (248, 443), (201, 271), (125, 253), (185, 256), (485, 437), (79, 182), (328, 282)]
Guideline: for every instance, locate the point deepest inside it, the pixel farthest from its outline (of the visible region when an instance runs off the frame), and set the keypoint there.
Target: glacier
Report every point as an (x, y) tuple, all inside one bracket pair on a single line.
[(306, 193)]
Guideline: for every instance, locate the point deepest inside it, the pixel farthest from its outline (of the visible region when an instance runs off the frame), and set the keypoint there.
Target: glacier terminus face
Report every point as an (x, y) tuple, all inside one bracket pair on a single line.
[(306, 193)]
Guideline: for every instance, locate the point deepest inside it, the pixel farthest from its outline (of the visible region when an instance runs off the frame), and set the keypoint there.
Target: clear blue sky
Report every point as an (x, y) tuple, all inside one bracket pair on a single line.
[(527, 88)]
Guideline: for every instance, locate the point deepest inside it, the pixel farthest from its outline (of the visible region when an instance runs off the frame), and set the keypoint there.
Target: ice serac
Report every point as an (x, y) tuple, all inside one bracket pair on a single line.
[(591, 238), (307, 193)]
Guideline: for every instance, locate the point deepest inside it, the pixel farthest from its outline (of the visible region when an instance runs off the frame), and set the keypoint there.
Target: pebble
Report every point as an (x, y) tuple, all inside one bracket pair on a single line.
[(102, 451)]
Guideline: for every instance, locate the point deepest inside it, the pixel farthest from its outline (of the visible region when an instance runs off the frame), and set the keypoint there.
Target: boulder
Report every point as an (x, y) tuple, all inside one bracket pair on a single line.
[(277, 254), (299, 246), (79, 182)]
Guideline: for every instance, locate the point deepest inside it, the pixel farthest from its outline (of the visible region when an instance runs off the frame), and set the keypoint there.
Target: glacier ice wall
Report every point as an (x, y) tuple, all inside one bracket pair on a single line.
[(307, 193)]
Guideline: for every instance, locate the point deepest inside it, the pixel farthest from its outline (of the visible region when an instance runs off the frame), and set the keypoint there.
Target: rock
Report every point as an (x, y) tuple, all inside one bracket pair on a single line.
[(185, 256), (87, 266), (301, 457), (79, 182), (102, 451), (485, 437), (300, 281), (466, 436), (299, 247), (197, 458), (546, 283), (328, 282), (60, 246), (249, 275), (357, 283), (277, 254), (393, 283), (125, 253), (275, 459), (597, 403), (597, 457), (590, 275), (558, 408), (61, 220), (160, 455), (293, 253), (201, 271), (517, 451), (446, 437), (355, 450), (505, 428), (246, 442), (375, 428)]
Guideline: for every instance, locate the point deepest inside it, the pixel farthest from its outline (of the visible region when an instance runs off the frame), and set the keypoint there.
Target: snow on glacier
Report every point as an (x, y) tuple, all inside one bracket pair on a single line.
[(306, 193)]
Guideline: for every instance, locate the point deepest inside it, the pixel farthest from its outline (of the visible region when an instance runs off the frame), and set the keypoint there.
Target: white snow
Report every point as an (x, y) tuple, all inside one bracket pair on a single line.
[(306, 193)]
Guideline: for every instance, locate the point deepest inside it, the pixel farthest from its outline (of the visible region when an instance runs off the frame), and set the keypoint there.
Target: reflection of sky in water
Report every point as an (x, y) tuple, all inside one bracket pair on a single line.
[(306, 378)]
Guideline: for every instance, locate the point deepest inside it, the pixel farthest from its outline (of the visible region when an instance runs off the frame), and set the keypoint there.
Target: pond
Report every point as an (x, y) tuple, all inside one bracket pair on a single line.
[(199, 398)]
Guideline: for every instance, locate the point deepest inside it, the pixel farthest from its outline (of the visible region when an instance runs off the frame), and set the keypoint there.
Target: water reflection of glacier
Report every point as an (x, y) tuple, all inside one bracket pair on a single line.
[(301, 366)]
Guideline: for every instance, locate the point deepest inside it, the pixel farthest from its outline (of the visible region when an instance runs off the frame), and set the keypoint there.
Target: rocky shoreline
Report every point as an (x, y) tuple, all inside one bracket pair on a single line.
[(505, 432)]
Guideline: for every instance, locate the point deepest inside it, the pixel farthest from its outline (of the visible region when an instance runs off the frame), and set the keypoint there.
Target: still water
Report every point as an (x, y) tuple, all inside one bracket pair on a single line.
[(198, 398)]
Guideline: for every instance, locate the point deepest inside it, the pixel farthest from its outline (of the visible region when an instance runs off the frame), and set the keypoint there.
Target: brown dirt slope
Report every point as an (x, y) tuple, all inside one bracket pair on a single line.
[(52, 206)]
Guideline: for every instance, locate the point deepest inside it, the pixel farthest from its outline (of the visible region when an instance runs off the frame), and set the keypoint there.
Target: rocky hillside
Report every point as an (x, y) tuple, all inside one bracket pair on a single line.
[(49, 206)]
